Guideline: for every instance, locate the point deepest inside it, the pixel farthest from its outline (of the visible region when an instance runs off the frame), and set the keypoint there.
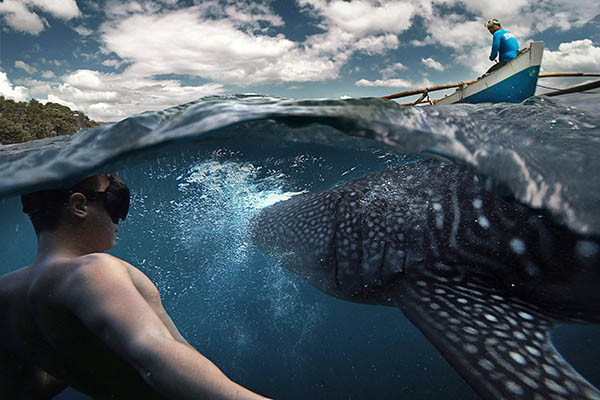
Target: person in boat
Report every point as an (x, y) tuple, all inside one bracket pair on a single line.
[(504, 44), (82, 318)]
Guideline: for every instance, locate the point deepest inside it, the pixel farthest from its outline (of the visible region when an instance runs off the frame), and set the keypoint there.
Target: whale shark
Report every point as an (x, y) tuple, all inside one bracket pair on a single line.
[(484, 278)]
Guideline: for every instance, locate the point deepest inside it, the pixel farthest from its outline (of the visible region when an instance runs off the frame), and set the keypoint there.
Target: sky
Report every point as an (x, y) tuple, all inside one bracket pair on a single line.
[(112, 59)]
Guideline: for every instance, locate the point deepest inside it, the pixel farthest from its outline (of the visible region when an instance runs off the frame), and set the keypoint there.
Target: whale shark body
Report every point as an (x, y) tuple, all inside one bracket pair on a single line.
[(485, 279)]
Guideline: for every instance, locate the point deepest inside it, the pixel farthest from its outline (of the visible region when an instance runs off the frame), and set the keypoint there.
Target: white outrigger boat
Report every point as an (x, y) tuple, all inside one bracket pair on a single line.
[(512, 83)]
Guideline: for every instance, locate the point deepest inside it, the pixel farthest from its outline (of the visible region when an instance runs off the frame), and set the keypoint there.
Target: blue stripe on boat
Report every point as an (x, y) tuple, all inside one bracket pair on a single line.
[(513, 89)]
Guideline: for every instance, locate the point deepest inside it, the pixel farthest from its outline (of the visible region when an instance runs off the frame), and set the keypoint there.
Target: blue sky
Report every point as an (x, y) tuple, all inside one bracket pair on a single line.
[(112, 59)]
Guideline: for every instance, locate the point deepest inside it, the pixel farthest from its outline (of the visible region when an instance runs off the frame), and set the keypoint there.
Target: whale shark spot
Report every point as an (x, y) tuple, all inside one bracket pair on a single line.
[(490, 317), (587, 249), (525, 315), (514, 388), (517, 357), (517, 246)]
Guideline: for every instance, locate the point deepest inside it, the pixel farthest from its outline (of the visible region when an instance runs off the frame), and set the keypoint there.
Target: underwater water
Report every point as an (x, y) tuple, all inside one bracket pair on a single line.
[(200, 172)]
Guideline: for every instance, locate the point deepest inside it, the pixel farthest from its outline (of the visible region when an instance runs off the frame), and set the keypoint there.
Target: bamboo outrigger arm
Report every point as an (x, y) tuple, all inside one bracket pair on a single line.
[(564, 74), (426, 90)]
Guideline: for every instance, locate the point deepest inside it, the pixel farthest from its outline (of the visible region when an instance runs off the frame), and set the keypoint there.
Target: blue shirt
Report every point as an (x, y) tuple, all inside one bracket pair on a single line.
[(505, 43)]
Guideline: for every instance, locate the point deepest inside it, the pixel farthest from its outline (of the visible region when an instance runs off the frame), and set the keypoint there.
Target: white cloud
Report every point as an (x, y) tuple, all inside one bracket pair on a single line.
[(111, 62), (52, 62), (579, 55), (25, 67), (35, 87), (397, 83), (83, 31), (250, 14), (23, 15), (111, 97), (455, 31), (48, 75), (53, 99), (245, 14), (376, 44), (390, 71), (356, 26), (118, 8), (476, 58), (16, 93), (19, 18), (361, 17), (84, 79), (237, 49), (500, 9), (64, 9), (433, 64), (168, 43)]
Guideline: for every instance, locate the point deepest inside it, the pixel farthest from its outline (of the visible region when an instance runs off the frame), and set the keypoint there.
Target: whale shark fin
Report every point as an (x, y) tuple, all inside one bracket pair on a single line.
[(500, 346)]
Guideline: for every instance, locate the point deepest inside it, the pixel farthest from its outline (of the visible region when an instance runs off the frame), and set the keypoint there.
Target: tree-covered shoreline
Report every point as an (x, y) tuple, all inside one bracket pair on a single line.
[(24, 121)]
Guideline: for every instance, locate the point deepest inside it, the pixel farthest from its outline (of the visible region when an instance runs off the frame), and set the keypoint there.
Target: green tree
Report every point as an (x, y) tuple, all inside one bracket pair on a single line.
[(23, 121)]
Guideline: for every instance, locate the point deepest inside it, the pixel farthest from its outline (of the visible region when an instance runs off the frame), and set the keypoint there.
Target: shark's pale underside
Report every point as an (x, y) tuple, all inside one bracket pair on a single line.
[(485, 279)]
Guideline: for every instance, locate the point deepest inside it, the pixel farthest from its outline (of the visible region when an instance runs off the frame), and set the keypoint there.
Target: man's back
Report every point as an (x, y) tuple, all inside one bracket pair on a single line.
[(43, 334), (506, 44)]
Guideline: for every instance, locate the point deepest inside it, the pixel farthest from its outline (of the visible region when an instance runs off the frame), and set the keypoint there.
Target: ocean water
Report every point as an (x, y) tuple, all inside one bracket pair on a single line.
[(200, 172)]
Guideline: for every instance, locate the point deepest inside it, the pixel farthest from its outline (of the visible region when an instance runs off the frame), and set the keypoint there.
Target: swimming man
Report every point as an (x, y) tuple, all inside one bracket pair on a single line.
[(80, 317), (503, 43)]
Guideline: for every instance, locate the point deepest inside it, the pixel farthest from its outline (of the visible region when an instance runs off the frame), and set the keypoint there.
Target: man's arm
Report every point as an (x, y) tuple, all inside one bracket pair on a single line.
[(495, 45), (103, 296), (149, 291)]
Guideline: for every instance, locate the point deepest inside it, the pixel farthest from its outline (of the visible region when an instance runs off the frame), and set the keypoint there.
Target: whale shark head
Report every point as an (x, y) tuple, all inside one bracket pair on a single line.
[(485, 279)]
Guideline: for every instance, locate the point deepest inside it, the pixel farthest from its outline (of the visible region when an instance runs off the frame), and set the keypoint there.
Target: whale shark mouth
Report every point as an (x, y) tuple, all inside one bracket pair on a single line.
[(484, 279)]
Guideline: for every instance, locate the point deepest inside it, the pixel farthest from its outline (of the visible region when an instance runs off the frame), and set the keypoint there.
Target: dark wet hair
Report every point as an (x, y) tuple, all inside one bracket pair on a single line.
[(44, 207)]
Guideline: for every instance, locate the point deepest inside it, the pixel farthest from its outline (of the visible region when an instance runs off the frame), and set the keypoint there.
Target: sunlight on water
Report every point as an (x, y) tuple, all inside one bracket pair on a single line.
[(213, 218), (228, 194)]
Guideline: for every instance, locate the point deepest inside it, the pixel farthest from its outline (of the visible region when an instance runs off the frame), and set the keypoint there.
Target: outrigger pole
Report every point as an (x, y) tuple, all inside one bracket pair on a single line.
[(559, 74)]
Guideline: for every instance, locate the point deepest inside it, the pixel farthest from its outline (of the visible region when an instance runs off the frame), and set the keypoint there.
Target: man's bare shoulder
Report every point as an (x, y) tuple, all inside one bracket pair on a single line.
[(93, 275), (92, 268)]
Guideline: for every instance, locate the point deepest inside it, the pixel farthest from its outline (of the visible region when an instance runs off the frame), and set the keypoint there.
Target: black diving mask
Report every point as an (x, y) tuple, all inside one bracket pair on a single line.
[(115, 199)]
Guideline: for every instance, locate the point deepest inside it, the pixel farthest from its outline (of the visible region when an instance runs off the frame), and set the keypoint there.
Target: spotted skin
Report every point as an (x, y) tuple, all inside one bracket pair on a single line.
[(483, 278)]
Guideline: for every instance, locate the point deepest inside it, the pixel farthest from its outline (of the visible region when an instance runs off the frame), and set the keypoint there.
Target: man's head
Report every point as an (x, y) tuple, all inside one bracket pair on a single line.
[(493, 25), (100, 194)]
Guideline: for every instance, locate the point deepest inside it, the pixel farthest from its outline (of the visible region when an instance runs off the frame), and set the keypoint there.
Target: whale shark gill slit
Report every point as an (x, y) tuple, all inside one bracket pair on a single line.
[(485, 279)]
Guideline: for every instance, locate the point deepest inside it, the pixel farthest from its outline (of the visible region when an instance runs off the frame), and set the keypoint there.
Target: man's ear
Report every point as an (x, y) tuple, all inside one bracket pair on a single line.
[(77, 205)]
